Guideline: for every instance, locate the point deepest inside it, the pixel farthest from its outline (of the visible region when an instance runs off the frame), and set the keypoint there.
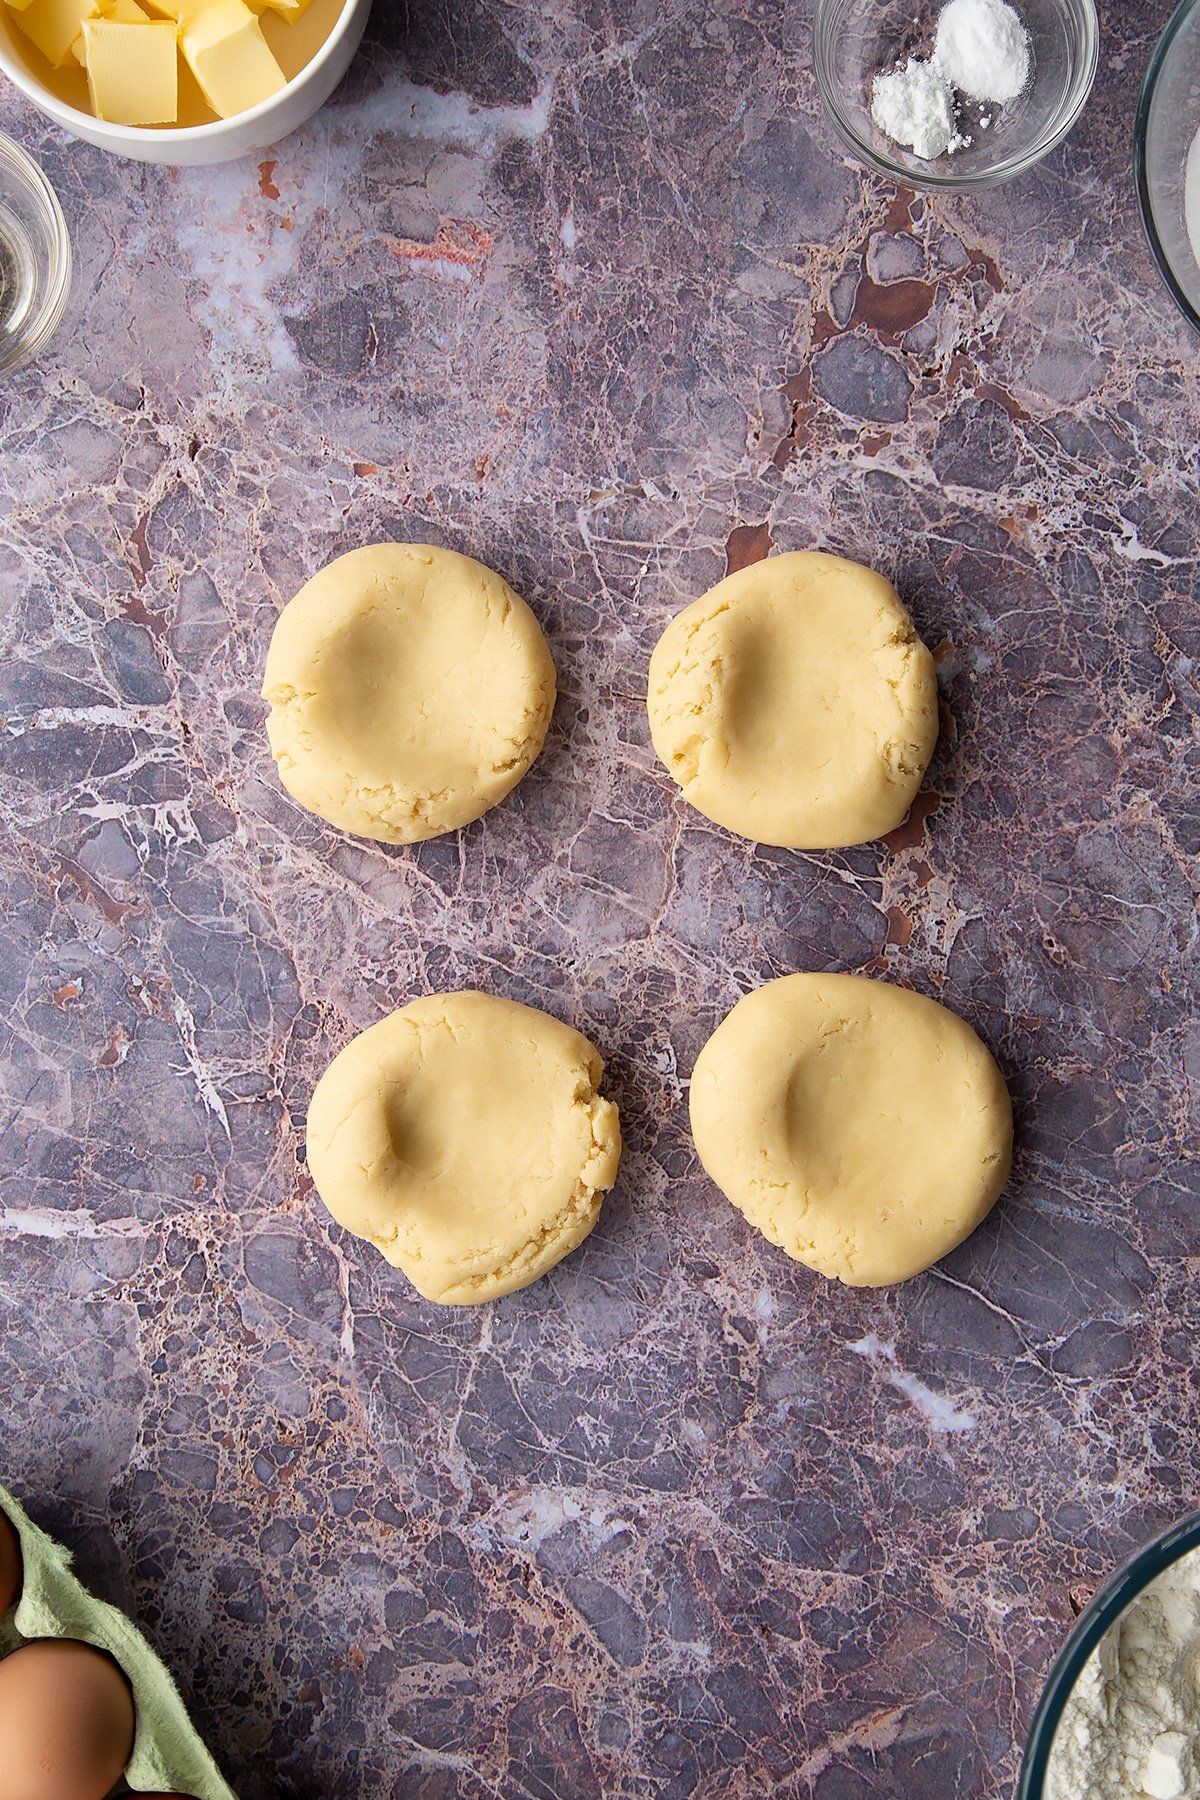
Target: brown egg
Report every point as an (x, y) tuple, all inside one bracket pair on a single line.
[(66, 1722), (10, 1563)]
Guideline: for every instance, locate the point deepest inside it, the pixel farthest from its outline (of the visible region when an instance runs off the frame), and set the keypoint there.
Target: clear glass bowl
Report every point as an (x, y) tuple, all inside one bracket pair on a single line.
[(855, 40), (35, 258), (1168, 120), (1096, 1618)]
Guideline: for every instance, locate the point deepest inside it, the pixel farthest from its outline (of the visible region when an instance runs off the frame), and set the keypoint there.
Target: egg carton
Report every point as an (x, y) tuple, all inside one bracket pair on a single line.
[(168, 1752)]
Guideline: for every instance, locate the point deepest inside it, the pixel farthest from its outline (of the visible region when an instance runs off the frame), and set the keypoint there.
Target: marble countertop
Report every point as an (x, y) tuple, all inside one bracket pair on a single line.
[(591, 293)]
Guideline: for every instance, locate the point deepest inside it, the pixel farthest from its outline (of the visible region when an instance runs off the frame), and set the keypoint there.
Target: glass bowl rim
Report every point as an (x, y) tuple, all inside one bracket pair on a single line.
[(1141, 178), (50, 313), (1105, 1606), (1002, 171)]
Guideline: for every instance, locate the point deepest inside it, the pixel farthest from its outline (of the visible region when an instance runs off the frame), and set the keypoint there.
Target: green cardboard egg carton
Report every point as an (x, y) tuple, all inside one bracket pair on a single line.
[(168, 1752)]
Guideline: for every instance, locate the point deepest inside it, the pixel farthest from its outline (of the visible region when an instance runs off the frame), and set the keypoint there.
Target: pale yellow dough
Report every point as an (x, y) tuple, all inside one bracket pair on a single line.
[(862, 1128), (410, 690), (464, 1137), (795, 704)]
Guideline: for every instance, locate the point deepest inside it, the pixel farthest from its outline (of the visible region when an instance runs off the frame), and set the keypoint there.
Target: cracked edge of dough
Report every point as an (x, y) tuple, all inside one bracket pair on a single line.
[(558, 1236), (685, 674), (554, 1239)]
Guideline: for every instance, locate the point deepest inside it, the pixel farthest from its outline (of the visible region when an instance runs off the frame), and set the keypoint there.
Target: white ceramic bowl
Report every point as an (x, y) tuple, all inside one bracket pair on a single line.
[(221, 139)]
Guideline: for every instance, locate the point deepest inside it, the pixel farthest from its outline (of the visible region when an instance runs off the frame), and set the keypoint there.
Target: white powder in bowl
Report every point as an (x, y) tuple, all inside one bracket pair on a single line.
[(982, 49), (981, 52), (1191, 196), (914, 107), (1129, 1729)]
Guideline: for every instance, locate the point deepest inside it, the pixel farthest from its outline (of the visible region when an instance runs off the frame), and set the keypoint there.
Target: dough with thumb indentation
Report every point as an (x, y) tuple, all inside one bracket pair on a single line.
[(795, 704), (410, 689), (465, 1137), (864, 1129)]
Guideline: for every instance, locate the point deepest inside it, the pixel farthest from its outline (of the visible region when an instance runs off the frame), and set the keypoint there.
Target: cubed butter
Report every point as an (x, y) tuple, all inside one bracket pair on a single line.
[(291, 10), (127, 12), (54, 25), (230, 58), (132, 71), (18, 5), (180, 10)]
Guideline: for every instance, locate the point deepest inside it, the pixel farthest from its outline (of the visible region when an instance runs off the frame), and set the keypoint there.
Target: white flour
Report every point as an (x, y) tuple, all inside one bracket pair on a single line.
[(1130, 1728), (981, 52), (1191, 196)]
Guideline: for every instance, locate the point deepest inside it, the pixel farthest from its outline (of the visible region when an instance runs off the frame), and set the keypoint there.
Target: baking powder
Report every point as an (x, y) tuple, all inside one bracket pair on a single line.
[(981, 52), (1129, 1729), (982, 49), (913, 106)]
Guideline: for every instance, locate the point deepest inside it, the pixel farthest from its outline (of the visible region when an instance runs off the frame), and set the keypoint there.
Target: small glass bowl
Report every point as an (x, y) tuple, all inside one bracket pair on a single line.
[(1168, 119), (856, 40), (35, 259), (1096, 1618)]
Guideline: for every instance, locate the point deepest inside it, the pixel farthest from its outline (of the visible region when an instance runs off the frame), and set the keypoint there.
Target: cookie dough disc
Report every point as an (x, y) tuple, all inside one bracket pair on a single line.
[(795, 704), (410, 689), (464, 1137), (863, 1129)]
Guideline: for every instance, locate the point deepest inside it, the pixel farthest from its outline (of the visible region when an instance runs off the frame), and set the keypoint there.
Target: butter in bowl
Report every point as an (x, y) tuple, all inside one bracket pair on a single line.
[(179, 81)]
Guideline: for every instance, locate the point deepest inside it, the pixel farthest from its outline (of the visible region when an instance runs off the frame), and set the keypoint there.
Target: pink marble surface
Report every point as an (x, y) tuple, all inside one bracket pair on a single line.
[(590, 292)]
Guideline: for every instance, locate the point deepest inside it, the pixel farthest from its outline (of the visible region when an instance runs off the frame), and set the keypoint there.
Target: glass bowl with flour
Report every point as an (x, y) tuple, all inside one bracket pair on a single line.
[(1166, 157), (1120, 1715), (954, 93)]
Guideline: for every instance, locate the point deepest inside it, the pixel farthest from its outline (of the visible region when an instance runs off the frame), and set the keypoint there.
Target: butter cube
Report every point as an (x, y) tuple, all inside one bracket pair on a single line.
[(128, 12), (132, 71), (54, 25), (18, 5), (291, 10), (180, 10), (230, 58)]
